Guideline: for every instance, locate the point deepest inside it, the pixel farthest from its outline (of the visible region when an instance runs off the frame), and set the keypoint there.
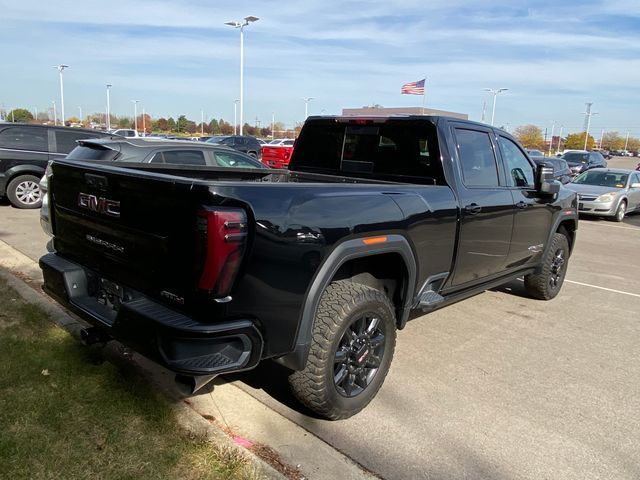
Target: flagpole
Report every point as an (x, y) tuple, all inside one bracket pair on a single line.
[(424, 94)]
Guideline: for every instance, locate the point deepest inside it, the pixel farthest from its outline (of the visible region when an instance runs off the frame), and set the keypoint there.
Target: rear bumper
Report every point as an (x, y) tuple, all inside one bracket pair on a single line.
[(170, 338)]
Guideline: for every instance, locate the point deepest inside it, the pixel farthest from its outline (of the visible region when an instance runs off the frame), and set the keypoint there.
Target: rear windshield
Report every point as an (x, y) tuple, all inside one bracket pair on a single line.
[(576, 157), (402, 151), (92, 153)]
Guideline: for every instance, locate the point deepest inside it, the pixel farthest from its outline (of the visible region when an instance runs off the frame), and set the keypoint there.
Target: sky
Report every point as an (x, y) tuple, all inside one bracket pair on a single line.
[(178, 57)]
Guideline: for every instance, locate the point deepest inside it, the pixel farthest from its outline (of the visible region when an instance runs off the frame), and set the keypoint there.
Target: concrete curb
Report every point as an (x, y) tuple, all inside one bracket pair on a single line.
[(188, 418)]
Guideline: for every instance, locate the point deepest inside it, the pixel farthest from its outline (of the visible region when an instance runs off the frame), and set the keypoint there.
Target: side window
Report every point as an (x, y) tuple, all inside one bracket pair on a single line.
[(228, 159), (635, 178), (66, 140), (157, 158), (227, 141), (184, 157), (519, 171), (25, 139), (477, 159)]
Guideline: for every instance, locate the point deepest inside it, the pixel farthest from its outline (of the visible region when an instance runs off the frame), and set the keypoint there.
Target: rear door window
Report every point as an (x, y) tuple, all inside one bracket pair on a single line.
[(184, 157), (66, 139), (477, 159), (21, 138)]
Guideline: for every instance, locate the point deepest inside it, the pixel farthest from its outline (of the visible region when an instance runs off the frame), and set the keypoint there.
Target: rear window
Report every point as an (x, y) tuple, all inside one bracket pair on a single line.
[(93, 152), (22, 138), (66, 139), (182, 157), (395, 151), (576, 157)]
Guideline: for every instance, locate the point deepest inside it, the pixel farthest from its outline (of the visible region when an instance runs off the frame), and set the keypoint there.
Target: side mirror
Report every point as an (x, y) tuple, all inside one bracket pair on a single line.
[(635, 185), (545, 183)]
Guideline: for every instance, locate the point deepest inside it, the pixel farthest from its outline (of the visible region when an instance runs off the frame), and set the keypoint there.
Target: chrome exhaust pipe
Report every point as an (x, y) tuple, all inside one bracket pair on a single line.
[(188, 385)]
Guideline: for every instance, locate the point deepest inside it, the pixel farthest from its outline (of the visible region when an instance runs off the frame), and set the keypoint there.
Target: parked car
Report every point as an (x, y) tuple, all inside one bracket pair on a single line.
[(582, 160), (315, 267), (124, 132), (242, 143), (164, 151), (561, 170), (607, 192), (535, 153), (282, 141), (24, 152), (277, 156)]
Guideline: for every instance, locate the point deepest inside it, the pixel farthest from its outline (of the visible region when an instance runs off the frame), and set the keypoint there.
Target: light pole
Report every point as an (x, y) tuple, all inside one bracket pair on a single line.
[(61, 68), (201, 122), (80, 109), (495, 96), (588, 114), (626, 143), (235, 116), (560, 138), (135, 115), (273, 122), (108, 107), (55, 113), (306, 106), (553, 126), (240, 25), (144, 123)]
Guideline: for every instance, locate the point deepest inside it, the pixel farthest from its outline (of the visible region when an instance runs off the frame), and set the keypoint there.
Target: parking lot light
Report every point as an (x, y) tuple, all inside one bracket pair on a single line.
[(135, 115), (241, 25), (61, 68), (495, 95), (306, 106), (108, 122)]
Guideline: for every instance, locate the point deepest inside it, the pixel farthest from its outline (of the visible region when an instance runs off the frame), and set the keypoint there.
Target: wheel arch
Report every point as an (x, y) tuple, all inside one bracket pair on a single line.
[(349, 260)]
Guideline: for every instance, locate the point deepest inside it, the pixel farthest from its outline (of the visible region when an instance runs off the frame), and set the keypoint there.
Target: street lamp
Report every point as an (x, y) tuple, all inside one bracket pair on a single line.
[(61, 68), (495, 95), (135, 115), (55, 113), (553, 127), (306, 106), (589, 114), (235, 116), (80, 109), (108, 123), (240, 25)]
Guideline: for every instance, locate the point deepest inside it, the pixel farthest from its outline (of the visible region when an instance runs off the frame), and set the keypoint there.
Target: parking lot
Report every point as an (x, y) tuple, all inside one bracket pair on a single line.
[(498, 386)]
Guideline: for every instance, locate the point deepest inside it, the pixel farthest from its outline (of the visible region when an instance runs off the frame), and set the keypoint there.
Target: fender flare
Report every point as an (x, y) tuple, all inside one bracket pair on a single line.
[(341, 254), (573, 217)]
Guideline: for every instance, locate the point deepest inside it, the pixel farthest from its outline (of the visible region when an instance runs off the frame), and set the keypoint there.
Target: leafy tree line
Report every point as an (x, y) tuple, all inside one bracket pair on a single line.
[(532, 137), (181, 126)]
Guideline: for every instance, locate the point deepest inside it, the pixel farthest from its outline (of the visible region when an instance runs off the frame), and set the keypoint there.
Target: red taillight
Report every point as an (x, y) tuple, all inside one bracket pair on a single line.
[(223, 234)]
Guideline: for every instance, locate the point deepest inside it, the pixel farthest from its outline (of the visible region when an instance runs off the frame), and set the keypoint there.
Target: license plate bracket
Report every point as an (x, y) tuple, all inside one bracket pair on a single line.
[(110, 294)]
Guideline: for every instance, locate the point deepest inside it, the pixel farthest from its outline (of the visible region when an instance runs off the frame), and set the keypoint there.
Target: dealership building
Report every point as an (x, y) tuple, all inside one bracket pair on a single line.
[(375, 110)]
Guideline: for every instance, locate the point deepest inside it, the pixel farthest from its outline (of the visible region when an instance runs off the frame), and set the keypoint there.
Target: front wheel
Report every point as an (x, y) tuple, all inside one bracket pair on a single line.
[(24, 192), (353, 340), (621, 211), (546, 284)]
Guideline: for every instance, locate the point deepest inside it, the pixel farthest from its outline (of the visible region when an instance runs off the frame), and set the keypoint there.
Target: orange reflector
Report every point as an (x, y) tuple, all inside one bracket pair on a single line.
[(374, 240)]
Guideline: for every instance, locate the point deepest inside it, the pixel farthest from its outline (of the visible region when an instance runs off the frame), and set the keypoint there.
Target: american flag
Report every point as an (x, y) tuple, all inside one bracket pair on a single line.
[(413, 88)]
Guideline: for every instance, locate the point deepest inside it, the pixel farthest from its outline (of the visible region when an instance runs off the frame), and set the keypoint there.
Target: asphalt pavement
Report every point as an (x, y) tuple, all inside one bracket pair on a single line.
[(499, 386)]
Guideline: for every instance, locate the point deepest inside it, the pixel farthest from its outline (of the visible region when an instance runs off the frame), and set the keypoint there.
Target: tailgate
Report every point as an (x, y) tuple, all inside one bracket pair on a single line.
[(131, 226)]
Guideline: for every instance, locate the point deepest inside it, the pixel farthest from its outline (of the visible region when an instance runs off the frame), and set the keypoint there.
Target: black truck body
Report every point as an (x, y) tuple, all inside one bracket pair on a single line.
[(210, 271)]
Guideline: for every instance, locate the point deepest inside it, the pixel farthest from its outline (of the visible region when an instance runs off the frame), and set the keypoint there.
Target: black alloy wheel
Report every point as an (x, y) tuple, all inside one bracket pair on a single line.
[(546, 284), (359, 355)]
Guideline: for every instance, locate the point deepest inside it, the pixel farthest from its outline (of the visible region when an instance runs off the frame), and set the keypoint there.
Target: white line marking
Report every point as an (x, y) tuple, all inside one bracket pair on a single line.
[(603, 288), (610, 226)]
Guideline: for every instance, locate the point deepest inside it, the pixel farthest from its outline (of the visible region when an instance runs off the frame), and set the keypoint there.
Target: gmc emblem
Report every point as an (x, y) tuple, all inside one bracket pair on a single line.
[(99, 204)]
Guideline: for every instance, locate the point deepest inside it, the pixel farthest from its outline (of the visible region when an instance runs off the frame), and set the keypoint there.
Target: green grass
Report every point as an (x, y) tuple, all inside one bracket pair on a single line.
[(63, 416)]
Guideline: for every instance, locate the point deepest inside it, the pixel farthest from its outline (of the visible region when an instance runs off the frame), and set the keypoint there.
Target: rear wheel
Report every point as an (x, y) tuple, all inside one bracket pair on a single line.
[(546, 284), (621, 211), (354, 336), (24, 192)]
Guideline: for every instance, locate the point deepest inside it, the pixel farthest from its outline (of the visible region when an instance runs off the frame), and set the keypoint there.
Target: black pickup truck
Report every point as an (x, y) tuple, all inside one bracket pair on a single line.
[(210, 271)]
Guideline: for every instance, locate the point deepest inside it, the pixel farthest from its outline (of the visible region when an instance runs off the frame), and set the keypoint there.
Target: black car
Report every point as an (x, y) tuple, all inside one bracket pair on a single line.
[(581, 160), (152, 150), (561, 170), (242, 143), (24, 152)]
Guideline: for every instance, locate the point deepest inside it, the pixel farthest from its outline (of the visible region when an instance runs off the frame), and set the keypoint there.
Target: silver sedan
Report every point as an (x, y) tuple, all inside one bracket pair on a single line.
[(607, 192)]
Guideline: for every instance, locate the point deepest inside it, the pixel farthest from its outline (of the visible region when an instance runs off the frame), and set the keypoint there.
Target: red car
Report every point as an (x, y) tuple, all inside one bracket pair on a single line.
[(277, 155)]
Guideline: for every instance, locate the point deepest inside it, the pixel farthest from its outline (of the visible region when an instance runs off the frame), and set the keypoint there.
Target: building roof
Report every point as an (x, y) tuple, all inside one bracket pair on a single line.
[(364, 111)]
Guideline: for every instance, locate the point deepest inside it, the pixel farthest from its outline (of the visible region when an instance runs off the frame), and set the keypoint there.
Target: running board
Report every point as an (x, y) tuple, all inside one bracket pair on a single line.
[(429, 300)]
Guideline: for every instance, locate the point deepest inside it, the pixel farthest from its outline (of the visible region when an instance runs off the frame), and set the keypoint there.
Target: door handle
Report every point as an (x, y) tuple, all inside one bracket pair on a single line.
[(473, 209), (521, 205)]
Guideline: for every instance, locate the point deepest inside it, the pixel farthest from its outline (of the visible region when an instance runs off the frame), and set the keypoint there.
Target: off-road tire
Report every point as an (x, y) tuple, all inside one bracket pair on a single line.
[(621, 211), (341, 305), (546, 284), (24, 192)]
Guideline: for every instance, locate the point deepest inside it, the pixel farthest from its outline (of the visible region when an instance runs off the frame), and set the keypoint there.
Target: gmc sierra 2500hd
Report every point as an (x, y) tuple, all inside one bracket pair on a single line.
[(210, 271)]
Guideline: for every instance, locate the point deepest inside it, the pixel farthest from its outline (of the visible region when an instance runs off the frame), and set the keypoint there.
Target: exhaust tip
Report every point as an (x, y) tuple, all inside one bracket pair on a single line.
[(187, 385)]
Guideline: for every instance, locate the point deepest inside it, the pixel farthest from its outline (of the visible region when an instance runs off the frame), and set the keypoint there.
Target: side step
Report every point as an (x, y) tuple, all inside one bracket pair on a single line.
[(429, 300)]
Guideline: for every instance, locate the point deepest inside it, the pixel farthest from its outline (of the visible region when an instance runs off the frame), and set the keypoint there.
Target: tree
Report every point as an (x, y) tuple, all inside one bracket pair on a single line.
[(278, 129), (181, 124), (203, 127), (72, 120), (575, 141), (225, 127), (19, 115), (214, 127), (612, 141), (161, 124), (530, 136), (124, 122), (171, 124), (633, 144)]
